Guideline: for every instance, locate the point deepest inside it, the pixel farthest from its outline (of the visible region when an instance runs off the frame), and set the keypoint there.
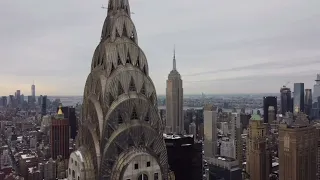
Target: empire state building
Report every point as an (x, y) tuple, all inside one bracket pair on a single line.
[(120, 132), (174, 101)]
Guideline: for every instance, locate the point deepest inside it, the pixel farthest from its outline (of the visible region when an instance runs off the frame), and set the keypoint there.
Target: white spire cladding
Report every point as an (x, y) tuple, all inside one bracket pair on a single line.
[(174, 101), (119, 123), (174, 58)]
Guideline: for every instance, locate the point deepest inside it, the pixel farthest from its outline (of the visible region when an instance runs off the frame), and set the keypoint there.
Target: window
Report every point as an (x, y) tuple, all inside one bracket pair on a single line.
[(148, 164), (156, 176), (136, 166), (76, 163), (143, 177), (69, 171)]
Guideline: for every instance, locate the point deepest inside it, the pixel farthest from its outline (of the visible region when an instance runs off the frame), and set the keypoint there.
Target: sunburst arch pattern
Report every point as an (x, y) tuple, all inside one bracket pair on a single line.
[(119, 118)]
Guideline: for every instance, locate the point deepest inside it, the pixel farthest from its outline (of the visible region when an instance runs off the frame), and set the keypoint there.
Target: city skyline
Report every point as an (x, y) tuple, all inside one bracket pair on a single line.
[(238, 44)]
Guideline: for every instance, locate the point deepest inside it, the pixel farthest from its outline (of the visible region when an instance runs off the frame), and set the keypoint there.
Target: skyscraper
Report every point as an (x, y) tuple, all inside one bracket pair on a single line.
[(33, 91), (269, 101), (316, 88), (298, 149), (59, 136), (308, 101), (120, 131), (286, 101), (236, 136), (210, 115), (298, 97), (174, 102), (258, 156), (44, 105)]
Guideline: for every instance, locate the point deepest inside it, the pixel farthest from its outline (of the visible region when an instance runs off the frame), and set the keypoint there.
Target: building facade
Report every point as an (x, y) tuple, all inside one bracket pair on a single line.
[(59, 136), (258, 156), (120, 127), (316, 88), (297, 150), (298, 97), (286, 100), (174, 102), (210, 130), (308, 102), (267, 102)]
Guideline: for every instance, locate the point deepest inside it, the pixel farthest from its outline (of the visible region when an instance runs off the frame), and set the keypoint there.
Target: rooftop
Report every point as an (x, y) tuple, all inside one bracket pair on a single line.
[(256, 117)]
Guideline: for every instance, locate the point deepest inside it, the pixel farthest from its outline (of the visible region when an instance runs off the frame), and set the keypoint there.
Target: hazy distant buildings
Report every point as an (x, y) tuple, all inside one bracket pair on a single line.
[(4, 101), (174, 102), (44, 105), (316, 88), (33, 92), (210, 131), (269, 101), (298, 97), (308, 102), (298, 150), (286, 100)]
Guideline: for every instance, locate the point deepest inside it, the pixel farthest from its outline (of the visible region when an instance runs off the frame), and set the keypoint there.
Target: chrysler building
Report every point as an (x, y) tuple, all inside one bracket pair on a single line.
[(174, 101)]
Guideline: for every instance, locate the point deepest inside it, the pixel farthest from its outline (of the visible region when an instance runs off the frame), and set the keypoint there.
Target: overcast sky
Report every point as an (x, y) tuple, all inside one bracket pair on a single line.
[(250, 46)]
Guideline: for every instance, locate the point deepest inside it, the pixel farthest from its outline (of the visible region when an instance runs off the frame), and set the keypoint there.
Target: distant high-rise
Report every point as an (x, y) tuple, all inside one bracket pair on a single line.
[(210, 131), (174, 102), (236, 136), (44, 105), (316, 88), (59, 136), (70, 114), (33, 91), (286, 100), (298, 97), (18, 97), (269, 101), (258, 156), (4, 101), (297, 149), (308, 101)]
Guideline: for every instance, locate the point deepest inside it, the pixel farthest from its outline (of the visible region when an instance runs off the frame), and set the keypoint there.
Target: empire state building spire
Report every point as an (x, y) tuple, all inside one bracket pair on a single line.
[(174, 101)]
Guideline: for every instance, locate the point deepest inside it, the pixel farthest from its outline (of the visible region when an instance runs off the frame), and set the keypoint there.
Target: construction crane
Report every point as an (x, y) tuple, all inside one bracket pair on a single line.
[(286, 84), (104, 7)]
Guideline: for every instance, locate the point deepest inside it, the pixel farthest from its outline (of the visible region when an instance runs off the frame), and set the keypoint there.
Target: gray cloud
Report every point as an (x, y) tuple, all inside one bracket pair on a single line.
[(53, 43)]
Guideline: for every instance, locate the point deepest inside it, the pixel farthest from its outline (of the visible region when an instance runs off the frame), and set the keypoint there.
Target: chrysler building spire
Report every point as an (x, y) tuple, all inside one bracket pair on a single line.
[(120, 125), (174, 58)]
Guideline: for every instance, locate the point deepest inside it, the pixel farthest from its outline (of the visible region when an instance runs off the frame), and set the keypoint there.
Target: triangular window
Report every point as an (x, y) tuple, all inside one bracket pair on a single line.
[(134, 114), (124, 31), (132, 86), (144, 70), (117, 33), (120, 89), (112, 68), (119, 60), (128, 60), (143, 89), (138, 63)]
